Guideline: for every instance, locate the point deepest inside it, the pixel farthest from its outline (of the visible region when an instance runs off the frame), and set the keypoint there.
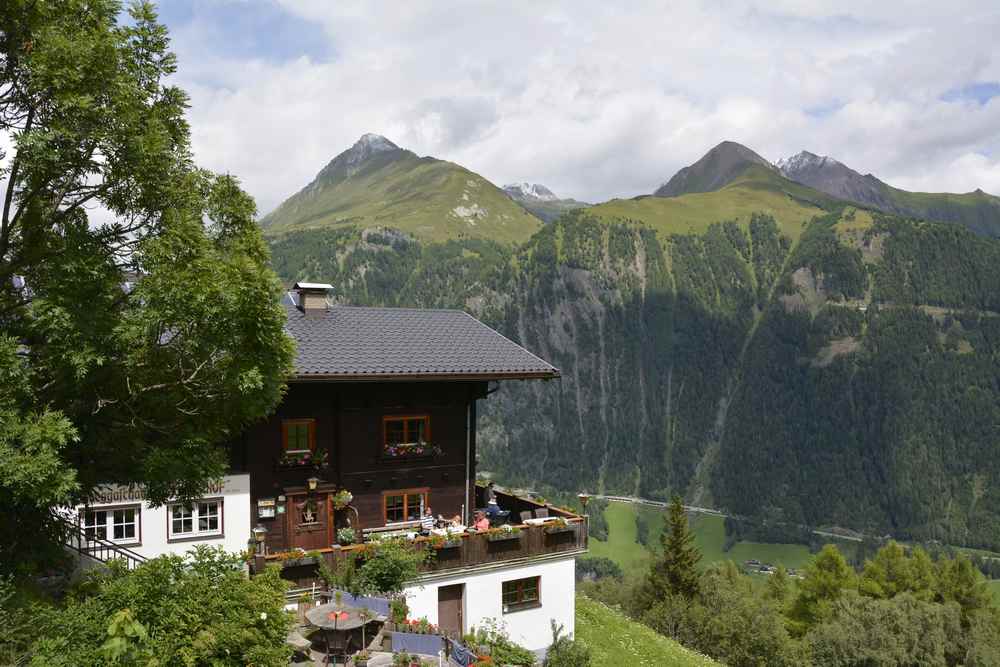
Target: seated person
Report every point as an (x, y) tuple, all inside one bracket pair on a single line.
[(427, 521), (481, 523), (492, 508), (456, 522)]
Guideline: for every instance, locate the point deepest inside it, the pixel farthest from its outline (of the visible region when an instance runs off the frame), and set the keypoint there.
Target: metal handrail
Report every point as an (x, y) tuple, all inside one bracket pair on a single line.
[(98, 548)]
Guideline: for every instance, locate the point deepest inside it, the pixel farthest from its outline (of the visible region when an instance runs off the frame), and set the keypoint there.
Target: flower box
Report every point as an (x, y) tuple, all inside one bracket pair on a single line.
[(558, 529), (502, 535), (453, 543)]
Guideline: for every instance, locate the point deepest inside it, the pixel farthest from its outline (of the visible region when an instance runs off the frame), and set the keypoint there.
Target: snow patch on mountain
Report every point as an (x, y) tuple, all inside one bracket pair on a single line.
[(804, 160), (529, 192)]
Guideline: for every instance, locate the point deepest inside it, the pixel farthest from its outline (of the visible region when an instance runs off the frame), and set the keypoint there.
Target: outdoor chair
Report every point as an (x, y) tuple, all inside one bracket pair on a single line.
[(525, 515), (542, 513)]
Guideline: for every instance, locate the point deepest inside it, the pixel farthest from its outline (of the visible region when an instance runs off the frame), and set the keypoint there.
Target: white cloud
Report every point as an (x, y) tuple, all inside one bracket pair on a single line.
[(599, 99)]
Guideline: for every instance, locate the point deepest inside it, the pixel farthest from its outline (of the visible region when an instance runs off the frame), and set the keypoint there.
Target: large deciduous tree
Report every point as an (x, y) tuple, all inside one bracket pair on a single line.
[(139, 321)]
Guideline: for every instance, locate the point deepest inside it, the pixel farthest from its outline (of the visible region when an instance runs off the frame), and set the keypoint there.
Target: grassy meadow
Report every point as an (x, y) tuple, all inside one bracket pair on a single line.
[(614, 639), (710, 537)]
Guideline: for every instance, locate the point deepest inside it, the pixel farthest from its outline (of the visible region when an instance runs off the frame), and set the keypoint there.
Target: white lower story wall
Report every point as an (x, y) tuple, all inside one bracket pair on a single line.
[(121, 515), (529, 626)]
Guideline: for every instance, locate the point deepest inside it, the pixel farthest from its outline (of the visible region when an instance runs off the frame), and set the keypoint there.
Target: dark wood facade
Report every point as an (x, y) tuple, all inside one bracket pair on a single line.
[(349, 426)]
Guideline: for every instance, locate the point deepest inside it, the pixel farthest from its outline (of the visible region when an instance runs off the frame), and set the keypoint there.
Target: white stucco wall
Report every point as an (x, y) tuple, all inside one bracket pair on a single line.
[(531, 628), (153, 539)]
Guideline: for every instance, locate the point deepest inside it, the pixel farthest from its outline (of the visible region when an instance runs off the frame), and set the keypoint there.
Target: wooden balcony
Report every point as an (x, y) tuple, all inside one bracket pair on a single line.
[(567, 534)]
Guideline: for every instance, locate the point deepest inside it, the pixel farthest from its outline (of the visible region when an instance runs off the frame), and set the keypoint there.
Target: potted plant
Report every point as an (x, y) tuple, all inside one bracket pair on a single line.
[(361, 658), (398, 611), (342, 498), (503, 533), (448, 541), (560, 525), (346, 536)]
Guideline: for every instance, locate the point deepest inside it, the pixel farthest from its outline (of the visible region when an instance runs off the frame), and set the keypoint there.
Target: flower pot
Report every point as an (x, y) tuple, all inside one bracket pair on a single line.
[(503, 536), (555, 530)]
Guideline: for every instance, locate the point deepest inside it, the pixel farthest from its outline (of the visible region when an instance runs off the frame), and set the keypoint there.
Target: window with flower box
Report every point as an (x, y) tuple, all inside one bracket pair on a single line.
[(201, 519), (522, 594), (407, 435), (115, 524), (298, 441)]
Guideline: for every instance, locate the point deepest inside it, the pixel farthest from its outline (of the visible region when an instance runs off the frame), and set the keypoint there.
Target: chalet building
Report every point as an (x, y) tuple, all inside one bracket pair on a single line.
[(378, 424)]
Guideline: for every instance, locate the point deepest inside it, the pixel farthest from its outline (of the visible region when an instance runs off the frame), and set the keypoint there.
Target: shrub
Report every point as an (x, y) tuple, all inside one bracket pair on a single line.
[(184, 610), (565, 652)]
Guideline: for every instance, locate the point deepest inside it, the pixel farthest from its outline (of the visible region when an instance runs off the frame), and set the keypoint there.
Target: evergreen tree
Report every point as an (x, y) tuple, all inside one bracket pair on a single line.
[(676, 572), (823, 582)]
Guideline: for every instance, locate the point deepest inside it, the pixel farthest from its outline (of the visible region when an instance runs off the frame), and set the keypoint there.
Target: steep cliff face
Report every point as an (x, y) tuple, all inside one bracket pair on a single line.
[(847, 377)]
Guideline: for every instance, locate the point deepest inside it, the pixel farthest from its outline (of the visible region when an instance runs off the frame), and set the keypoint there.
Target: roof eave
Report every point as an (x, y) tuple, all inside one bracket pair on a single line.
[(425, 377)]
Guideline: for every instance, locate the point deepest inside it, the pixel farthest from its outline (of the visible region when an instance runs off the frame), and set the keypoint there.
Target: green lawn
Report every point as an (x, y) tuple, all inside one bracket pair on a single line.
[(710, 536), (621, 546), (994, 585), (614, 640)]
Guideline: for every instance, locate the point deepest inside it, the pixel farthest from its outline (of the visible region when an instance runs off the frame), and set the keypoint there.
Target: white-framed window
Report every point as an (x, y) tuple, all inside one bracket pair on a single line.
[(116, 524), (202, 518)]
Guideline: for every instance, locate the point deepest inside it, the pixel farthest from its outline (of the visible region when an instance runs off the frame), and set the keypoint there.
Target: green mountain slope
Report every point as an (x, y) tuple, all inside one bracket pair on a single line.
[(377, 183), (754, 189), (614, 639), (762, 349)]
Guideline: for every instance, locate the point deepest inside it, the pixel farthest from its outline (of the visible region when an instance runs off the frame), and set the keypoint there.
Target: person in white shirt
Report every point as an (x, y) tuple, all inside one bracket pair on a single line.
[(427, 521)]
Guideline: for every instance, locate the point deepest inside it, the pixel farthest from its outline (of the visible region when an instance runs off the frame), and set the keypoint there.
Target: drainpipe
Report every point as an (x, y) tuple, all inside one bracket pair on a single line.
[(468, 462)]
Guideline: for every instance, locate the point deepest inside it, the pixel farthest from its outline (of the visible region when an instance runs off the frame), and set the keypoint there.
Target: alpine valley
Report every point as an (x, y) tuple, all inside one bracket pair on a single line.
[(794, 343)]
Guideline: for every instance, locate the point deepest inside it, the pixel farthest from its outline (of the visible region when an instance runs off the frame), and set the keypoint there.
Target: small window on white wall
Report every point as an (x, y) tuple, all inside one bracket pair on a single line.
[(199, 519), (120, 525)]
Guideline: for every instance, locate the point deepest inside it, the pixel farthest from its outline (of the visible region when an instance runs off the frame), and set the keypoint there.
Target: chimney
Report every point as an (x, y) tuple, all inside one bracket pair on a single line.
[(312, 297)]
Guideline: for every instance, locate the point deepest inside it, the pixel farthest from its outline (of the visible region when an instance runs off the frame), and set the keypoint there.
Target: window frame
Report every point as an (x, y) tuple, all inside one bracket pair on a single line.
[(423, 491), (406, 419), (286, 424), (197, 534), (109, 522), (521, 604)]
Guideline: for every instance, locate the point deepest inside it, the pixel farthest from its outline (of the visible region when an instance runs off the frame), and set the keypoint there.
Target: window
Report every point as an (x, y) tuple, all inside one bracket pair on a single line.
[(404, 505), (95, 524), (200, 519), (117, 524), (407, 436), (522, 594), (298, 435)]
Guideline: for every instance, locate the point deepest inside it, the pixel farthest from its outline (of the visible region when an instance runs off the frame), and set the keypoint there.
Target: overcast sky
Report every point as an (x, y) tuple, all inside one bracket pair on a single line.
[(589, 98)]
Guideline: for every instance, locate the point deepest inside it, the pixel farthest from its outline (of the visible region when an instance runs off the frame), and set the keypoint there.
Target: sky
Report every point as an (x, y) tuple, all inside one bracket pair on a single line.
[(593, 99)]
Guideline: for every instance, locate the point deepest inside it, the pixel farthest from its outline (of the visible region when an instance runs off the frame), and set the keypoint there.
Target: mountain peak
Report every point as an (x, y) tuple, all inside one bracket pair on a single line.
[(529, 192), (374, 143), (714, 170), (802, 161)]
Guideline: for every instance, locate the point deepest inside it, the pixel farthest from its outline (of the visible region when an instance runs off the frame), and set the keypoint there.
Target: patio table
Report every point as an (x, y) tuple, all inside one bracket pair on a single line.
[(333, 618)]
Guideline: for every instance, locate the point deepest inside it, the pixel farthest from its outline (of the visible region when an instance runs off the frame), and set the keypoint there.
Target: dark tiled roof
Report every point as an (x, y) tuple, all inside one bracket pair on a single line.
[(352, 342)]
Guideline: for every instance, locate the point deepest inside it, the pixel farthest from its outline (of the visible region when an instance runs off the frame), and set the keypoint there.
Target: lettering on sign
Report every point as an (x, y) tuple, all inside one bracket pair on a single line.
[(115, 493)]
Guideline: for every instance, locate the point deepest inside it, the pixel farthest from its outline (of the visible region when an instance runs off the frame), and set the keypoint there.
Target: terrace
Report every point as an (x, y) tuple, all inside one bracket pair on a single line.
[(549, 532)]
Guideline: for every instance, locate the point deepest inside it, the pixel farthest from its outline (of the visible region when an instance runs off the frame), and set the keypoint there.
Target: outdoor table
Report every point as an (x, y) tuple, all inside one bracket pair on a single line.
[(444, 532), (331, 617), (539, 521)]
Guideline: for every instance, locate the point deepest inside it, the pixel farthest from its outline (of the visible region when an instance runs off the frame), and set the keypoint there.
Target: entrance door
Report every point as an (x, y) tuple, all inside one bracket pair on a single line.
[(450, 603)]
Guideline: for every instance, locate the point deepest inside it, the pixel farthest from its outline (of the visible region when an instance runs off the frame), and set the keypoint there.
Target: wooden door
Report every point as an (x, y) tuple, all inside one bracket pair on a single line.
[(308, 521), (451, 600)]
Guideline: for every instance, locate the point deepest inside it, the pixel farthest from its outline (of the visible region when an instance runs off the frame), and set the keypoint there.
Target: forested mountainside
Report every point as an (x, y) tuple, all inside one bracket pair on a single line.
[(977, 210), (847, 376), (762, 348)]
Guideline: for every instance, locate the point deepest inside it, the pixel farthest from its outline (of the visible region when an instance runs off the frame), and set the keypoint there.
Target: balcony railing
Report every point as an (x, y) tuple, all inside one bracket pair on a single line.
[(565, 533)]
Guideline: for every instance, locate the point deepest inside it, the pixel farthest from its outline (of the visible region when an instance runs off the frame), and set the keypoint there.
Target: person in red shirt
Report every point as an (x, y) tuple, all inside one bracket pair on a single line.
[(481, 523)]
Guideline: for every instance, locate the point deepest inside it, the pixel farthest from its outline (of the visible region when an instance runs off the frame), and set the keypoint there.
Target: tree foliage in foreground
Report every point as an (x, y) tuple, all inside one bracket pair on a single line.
[(902, 608), (172, 610), (139, 323)]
